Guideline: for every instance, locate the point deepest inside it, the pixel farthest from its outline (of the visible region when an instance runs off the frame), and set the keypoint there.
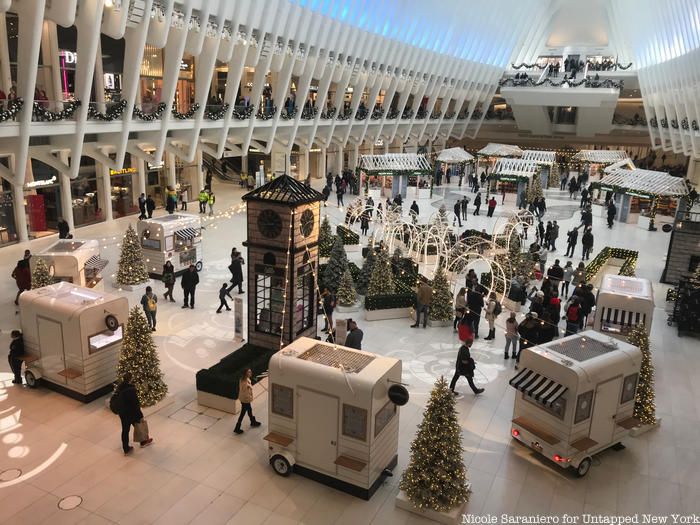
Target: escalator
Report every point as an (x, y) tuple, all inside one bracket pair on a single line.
[(226, 169)]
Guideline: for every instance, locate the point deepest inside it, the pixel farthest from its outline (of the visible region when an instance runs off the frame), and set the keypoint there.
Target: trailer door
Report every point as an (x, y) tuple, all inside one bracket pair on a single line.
[(317, 430), (51, 345), (607, 398)]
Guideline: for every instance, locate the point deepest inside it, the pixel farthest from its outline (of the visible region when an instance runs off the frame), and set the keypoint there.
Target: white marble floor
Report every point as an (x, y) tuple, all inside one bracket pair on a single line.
[(198, 472)]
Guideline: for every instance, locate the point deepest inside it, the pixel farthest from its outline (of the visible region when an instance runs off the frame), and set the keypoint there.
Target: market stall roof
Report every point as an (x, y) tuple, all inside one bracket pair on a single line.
[(284, 190), (541, 157), (395, 162), (515, 168), (493, 149), (455, 155), (644, 183), (625, 163), (601, 156)]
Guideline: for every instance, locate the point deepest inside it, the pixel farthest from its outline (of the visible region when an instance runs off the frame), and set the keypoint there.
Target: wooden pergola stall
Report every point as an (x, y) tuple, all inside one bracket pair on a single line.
[(545, 159), (386, 176), (516, 174)]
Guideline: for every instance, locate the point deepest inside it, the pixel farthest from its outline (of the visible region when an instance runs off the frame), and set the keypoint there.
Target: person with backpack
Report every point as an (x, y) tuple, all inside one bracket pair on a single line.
[(512, 336), (125, 403), (168, 280), (223, 292), (245, 396), (149, 302), (493, 310), (16, 356), (465, 366), (573, 316)]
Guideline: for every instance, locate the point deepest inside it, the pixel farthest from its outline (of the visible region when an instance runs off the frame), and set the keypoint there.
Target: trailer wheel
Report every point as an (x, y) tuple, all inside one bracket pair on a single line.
[(31, 379), (583, 467), (198, 266), (281, 465)]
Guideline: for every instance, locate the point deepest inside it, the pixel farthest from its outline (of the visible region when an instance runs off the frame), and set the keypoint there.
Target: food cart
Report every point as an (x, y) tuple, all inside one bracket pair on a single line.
[(75, 261), (623, 303), (72, 338), (176, 238), (353, 446), (575, 397)]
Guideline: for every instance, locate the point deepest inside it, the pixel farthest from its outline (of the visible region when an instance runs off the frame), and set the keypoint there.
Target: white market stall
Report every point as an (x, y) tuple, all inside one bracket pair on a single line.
[(647, 195), (354, 446), (75, 261), (489, 154), (623, 303), (456, 156), (72, 338), (176, 238), (547, 161), (386, 176), (575, 397), (595, 160), (514, 174)]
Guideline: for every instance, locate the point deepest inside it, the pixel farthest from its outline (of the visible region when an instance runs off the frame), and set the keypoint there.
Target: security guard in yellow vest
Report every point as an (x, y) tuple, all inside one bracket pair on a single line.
[(203, 199), (211, 200)]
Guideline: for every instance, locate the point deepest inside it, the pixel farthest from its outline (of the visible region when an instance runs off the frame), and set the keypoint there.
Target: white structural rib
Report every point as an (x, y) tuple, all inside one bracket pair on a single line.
[(646, 182)]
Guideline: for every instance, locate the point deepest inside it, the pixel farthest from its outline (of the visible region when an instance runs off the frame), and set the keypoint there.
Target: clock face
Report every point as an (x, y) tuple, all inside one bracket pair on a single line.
[(270, 224), (307, 223)]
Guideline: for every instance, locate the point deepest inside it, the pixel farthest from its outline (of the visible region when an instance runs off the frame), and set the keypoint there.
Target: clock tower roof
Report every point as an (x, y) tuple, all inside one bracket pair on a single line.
[(284, 190)]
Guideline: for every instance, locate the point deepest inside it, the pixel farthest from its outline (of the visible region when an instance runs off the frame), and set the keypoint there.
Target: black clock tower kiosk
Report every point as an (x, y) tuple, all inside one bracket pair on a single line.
[(283, 225)]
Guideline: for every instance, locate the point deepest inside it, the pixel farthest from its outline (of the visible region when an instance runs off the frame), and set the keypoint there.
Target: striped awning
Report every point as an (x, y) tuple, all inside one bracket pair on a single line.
[(540, 388), (95, 263), (620, 317), (186, 234)]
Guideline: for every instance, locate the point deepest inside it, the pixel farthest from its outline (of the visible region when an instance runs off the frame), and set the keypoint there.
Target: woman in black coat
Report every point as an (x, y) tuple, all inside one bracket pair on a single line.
[(236, 270), (129, 412), (465, 367)]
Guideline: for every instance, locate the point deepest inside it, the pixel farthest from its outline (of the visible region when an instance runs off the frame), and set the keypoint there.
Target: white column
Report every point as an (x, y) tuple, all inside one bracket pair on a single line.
[(99, 79), (52, 78), (171, 174), (66, 195), (244, 164), (106, 192), (141, 175), (5, 75), (19, 207), (200, 173), (338, 160), (305, 170), (322, 161)]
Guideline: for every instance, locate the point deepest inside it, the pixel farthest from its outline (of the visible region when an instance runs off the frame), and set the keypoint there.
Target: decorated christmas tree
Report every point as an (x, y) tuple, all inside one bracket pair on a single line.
[(325, 238), (139, 358), (381, 281), (534, 188), (436, 478), (441, 217), (131, 268), (346, 290), (554, 179), (441, 308), (644, 407), (366, 272), (41, 276), (337, 264)]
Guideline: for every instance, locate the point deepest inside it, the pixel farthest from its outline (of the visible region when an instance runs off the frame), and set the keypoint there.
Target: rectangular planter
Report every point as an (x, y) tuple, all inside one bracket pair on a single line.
[(348, 309), (218, 402), (452, 517), (438, 323), (387, 313)]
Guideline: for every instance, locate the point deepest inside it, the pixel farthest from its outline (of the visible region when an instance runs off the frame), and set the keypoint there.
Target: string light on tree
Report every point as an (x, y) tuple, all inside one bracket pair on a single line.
[(644, 405), (131, 269)]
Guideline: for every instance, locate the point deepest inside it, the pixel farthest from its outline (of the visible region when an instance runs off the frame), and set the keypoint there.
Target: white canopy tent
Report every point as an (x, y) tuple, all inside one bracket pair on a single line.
[(454, 156), (601, 156), (398, 162), (540, 157), (493, 149), (515, 168), (644, 183)]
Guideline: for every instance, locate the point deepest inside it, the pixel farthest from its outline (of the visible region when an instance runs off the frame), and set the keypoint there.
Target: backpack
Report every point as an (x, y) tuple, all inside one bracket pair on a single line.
[(497, 309), (464, 332), (115, 403), (572, 314), (150, 304)]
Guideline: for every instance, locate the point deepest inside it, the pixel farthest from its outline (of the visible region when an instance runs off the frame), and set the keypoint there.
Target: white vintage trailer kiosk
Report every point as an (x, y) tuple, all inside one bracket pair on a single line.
[(333, 415), (176, 238), (75, 261), (575, 397), (622, 304), (72, 338)]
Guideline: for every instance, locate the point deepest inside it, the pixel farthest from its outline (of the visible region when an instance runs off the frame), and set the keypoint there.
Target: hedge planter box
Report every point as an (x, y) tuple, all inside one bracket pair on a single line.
[(206, 399), (454, 516), (131, 287), (387, 313), (348, 309), (437, 324)]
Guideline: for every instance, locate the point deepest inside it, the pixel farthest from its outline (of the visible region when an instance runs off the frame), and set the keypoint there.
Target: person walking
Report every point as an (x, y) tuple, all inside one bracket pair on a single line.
[(189, 282), (571, 240), (573, 316), (553, 236), (223, 292), (584, 198), (512, 336), (465, 366), (477, 203), (475, 303), (16, 355), (568, 274), (184, 197), (573, 187), (364, 222), (236, 269), (211, 200), (492, 206), (424, 298), (458, 214), (203, 198), (150, 206), (129, 412), (142, 206), (464, 204), (328, 306), (612, 211), (168, 278), (587, 243), (460, 307), (339, 194), (23, 277), (245, 396), (493, 309), (354, 337), (149, 302)]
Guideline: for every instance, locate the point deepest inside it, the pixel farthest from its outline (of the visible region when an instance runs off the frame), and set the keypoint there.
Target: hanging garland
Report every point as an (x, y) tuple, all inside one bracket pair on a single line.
[(218, 114), (243, 113), (150, 117), (13, 107), (267, 115), (309, 113), (377, 114), (435, 116), (528, 66), (345, 115), (44, 115), (114, 112), (450, 115), (327, 115), (187, 115), (289, 115), (361, 115), (392, 114), (407, 114), (586, 82), (421, 114)]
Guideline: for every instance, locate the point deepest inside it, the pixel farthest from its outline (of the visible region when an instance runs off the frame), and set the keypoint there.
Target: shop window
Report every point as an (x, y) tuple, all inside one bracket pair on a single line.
[(355, 422), (150, 244), (629, 388), (557, 409), (269, 296), (8, 231), (584, 404), (282, 400), (303, 311), (383, 417)]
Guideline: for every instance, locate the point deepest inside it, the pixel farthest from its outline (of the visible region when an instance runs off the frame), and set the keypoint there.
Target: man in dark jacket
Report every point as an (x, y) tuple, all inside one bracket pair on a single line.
[(477, 203), (584, 197), (465, 366), (587, 217), (529, 333), (612, 211), (571, 240), (458, 213), (555, 274), (475, 302), (236, 270), (189, 281), (586, 300), (15, 356), (142, 206), (464, 203), (129, 412), (553, 236), (150, 206), (587, 243), (354, 337)]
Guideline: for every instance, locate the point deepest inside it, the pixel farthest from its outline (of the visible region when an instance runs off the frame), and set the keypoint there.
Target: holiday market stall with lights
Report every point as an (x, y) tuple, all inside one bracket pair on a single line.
[(549, 169), (176, 238), (646, 195), (515, 175), (386, 176), (454, 156), (75, 261), (595, 160)]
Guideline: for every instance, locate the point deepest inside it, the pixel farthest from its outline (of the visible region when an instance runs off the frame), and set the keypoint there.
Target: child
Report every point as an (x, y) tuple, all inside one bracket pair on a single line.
[(223, 292)]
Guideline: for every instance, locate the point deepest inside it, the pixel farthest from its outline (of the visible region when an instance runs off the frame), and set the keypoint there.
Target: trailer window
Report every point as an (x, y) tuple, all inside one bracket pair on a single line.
[(583, 407), (383, 417), (558, 408), (150, 244), (355, 422), (282, 400), (269, 297), (104, 339), (629, 388), (304, 312), (169, 243)]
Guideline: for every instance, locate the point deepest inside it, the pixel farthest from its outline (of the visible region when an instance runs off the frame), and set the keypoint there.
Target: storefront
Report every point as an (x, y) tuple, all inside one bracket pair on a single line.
[(124, 201), (85, 198), (42, 200), (8, 231), (151, 83)]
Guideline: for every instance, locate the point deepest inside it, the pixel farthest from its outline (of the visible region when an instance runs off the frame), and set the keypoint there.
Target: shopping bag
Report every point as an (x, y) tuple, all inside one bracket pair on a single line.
[(141, 431)]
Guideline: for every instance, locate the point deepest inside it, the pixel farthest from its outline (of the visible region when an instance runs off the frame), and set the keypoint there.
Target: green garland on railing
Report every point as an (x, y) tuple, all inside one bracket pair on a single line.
[(14, 106), (112, 113), (218, 114), (150, 117), (627, 269), (187, 115), (44, 115), (243, 113)]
